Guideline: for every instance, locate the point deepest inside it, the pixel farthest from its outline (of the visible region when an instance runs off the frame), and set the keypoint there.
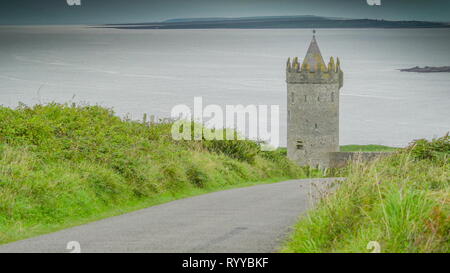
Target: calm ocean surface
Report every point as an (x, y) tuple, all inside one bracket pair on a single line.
[(150, 71)]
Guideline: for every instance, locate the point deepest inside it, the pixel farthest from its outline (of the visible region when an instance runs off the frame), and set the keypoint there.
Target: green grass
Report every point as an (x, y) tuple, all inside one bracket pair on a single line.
[(367, 148), (64, 165), (360, 148), (401, 202)]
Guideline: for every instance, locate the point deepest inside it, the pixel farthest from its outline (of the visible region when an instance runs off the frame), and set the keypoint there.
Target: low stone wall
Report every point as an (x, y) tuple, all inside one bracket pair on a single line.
[(341, 159)]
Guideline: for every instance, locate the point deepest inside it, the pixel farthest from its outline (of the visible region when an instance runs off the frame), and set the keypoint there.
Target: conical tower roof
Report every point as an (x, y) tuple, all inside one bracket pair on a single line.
[(313, 56)]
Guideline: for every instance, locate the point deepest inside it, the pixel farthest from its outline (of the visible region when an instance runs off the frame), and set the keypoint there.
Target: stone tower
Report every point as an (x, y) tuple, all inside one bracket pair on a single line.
[(313, 108)]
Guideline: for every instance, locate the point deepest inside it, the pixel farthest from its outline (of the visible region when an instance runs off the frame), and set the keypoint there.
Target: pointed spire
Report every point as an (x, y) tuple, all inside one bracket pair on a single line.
[(288, 65), (314, 56), (331, 65), (295, 64)]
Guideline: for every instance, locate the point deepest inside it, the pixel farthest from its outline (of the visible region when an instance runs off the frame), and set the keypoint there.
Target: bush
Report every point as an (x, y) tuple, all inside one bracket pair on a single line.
[(437, 149)]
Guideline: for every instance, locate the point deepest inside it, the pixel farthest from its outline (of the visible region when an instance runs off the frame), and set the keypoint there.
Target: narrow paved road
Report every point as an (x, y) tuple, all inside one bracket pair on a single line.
[(252, 219)]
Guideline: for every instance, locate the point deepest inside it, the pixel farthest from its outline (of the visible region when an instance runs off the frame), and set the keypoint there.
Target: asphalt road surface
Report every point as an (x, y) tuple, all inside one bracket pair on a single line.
[(251, 219)]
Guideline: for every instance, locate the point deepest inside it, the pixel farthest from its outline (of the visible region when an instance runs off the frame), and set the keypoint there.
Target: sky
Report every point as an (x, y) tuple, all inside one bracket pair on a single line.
[(43, 12)]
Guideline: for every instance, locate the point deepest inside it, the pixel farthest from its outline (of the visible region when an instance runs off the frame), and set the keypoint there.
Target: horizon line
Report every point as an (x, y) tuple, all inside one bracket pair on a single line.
[(223, 17)]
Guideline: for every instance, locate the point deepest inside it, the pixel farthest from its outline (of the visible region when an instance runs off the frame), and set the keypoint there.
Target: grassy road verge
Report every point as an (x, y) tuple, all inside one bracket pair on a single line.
[(63, 165), (402, 202)]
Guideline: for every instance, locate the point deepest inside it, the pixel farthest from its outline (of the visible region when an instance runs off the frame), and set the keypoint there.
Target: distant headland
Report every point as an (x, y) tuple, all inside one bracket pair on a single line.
[(301, 21), (427, 69)]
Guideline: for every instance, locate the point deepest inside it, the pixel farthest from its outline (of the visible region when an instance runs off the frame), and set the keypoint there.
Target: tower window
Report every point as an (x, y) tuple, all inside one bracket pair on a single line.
[(332, 96), (289, 114), (315, 126), (318, 98), (300, 145), (305, 98), (292, 97)]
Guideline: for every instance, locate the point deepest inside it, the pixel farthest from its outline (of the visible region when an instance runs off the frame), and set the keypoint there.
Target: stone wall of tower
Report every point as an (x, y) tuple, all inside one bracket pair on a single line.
[(313, 113)]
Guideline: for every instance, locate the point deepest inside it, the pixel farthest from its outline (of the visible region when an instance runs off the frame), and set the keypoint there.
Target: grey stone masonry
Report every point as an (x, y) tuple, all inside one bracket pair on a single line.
[(341, 159), (313, 108)]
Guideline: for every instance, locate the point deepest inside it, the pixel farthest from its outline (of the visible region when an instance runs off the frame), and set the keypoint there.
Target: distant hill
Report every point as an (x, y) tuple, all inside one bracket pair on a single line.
[(303, 21)]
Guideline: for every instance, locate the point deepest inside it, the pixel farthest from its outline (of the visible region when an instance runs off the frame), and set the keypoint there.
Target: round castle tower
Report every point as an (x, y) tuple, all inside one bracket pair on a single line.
[(313, 108)]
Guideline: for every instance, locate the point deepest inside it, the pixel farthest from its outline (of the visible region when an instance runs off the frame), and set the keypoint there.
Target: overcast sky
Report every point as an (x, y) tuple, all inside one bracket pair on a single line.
[(129, 11)]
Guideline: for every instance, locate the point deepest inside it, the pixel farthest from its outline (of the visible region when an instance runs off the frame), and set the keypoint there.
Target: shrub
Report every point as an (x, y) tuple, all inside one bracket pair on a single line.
[(437, 149)]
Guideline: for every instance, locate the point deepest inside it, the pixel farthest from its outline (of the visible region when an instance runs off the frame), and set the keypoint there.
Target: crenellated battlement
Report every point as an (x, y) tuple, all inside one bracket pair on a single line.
[(296, 72)]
